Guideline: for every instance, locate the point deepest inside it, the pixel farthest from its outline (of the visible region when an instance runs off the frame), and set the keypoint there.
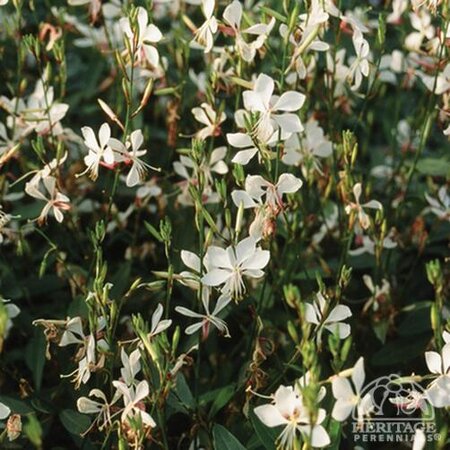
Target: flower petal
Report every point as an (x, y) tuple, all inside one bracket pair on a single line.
[(242, 197), (289, 123), (269, 416), (191, 329), (434, 362), (104, 135), (258, 261), (191, 260), (216, 277), (289, 101), (341, 388), (244, 156), (341, 410), (239, 140), (339, 313), (358, 374), (233, 14), (288, 184)]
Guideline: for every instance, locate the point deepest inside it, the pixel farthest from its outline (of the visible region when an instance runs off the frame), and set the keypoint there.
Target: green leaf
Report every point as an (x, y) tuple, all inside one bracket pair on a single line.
[(335, 432), (416, 321), (224, 440), (35, 357), (183, 392), (266, 435), (33, 430), (74, 422), (272, 13), (221, 398), (121, 280), (401, 350), (434, 166), (153, 231), (380, 329), (16, 406)]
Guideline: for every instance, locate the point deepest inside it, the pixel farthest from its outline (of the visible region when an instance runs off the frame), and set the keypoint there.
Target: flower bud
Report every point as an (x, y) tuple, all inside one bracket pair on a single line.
[(14, 427)]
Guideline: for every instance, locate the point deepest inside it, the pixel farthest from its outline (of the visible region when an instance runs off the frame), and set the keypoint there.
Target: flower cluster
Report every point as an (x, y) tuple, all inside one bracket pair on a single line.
[(228, 221)]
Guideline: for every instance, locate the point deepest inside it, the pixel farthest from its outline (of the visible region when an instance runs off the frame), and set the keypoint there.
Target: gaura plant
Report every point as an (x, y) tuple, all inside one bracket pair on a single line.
[(224, 224)]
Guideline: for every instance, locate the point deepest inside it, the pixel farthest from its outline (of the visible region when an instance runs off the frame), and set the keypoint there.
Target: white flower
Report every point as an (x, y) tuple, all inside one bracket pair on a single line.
[(305, 149), (87, 365), (56, 202), (158, 325), (233, 16), (358, 208), (244, 141), (206, 115), (112, 9), (138, 169), (213, 164), (42, 111), (48, 169), (440, 207), (379, 293), (39, 113), (317, 314), (205, 34), (337, 72), (73, 333), (360, 66), (406, 137), (398, 8), (228, 267), (102, 408), (256, 187), (190, 278), (133, 399), (348, 398), (446, 337), (98, 150), (309, 40), (99, 37), (440, 84), (421, 22), (208, 317), (420, 440), (367, 245), (89, 362), (439, 390), (390, 65), (356, 18), (189, 170), (4, 411), (275, 111), (148, 190), (287, 410), (12, 311), (131, 366), (147, 34), (3, 3)]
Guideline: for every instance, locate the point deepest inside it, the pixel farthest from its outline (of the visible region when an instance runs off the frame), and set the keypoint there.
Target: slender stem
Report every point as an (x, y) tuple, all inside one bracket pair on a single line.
[(427, 119)]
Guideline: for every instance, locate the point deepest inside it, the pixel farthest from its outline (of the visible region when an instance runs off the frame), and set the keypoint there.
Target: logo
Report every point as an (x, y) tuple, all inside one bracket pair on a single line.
[(398, 408)]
